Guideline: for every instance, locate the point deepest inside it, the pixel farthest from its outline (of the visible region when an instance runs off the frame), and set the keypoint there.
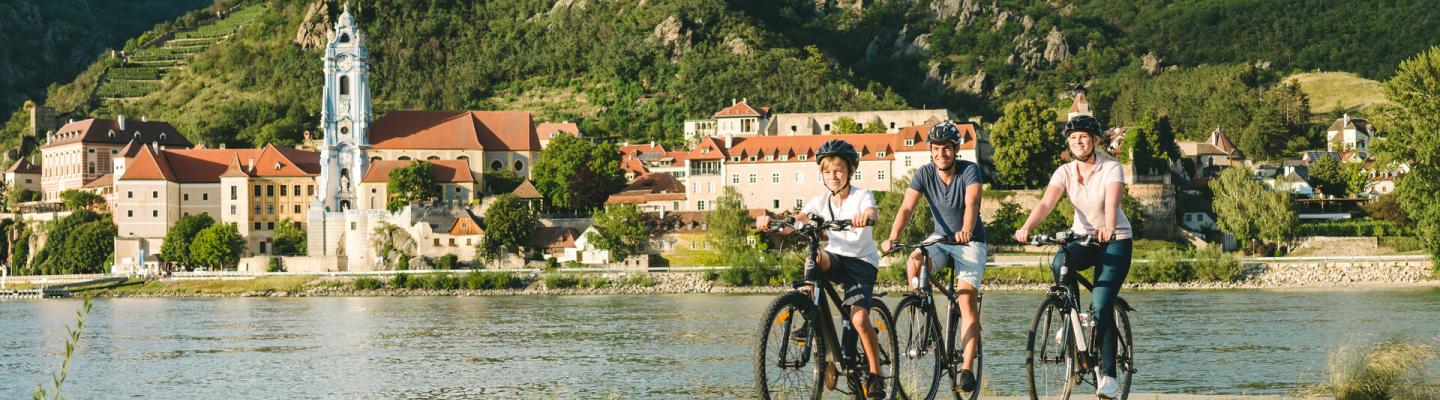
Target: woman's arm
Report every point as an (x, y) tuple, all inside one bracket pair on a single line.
[(1041, 210), (1112, 211)]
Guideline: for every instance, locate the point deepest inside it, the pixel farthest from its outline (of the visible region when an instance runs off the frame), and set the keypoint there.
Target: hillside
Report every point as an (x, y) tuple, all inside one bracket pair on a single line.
[(634, 69), (1332, 92)]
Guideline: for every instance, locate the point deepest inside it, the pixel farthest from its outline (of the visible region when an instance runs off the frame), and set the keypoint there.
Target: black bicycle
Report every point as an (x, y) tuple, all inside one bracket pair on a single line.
[(1057, 359), (925, 356), (799, 355)]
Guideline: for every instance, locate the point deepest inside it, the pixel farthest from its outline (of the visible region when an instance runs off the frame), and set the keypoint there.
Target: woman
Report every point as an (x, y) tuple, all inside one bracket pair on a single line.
[(1094, 184)]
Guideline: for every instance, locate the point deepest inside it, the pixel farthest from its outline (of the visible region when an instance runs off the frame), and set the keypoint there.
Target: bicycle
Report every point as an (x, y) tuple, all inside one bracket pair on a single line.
[(808, 358), (918, 324), (1072, 359)]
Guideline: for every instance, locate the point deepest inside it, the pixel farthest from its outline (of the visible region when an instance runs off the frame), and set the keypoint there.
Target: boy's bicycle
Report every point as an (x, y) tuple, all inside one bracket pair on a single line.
[(799, 355), (924, 354), (1062, 351)]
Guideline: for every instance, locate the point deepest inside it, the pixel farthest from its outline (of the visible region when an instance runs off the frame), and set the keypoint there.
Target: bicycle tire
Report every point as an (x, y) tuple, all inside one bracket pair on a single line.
[(1124, 352), (1055, 360), (976, 366), (923, 352), (779, 321)]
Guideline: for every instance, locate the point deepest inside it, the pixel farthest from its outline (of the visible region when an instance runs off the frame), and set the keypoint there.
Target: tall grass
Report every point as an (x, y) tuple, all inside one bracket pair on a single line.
[(1395, 369)]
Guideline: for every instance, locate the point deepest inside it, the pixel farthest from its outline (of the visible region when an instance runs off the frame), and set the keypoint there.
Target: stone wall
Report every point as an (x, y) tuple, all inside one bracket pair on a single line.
[(1337, 274), (1326, 246)]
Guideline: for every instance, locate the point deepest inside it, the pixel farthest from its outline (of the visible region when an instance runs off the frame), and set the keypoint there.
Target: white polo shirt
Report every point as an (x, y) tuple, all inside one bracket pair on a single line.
[(1089, 198)]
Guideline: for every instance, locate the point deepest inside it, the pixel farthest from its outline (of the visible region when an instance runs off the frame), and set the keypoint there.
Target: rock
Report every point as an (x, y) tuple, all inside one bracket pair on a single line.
[(945, 8), (873, 49), (314, 28), (1055, 48), (900, 37), (1000, 19), (738, 46), (1027, 22), (1262, 64), (1151, 63), (672, 36), (969, 11), (933, 77), (975, 83)]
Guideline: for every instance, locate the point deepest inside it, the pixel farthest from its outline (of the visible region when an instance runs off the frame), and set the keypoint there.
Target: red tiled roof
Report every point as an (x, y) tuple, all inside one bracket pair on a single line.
[(468, 130), (24, 166), (1218, 139), (102, 181), (717, 151), (569, 128), (526, 191), (650, 187), (553, 237), (96, 130), (741, 109), (445, 171), (208, 165)]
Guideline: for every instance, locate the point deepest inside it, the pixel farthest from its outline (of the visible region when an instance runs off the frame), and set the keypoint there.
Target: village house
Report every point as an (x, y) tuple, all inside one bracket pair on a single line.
[(81, 151)]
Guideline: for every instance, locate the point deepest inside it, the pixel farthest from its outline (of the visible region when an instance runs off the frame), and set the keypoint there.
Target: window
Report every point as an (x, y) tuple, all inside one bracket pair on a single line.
[(769, 157), (232, 209), (262, 247), (234, 191), (130, 213), (784, 157), (799, 177), (496, 165), (880, 154), (775, 203), (270, 190), (257, 209), (705, 150), (154, 194), (804, 157), (751, 159), (345, 83), (700, 205), (129, 194), (270, 209), (452, 242), (519, 165), (909, 142), (432, 158), (775, 178), (710, 187), (735, 179), (297, 190), (799, 202), (205, 197), (257, 190), (297, 208), (283, 191), (186, 214), (735, 159), (270, 226), (155, 213), (857, 175), (437, 242), (880, 174), (892, 125), (92, 167), (259, 226), (752, 178), (907, 161), (352, 226), (185, 197), (827, 127), (310, 190)]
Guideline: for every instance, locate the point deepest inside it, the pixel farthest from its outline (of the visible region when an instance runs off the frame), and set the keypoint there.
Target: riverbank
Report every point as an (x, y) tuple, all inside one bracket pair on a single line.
[(525, 284)]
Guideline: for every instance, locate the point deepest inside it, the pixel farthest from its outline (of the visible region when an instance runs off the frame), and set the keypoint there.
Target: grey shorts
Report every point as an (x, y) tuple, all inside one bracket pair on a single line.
[(856, 276), (969, 260)]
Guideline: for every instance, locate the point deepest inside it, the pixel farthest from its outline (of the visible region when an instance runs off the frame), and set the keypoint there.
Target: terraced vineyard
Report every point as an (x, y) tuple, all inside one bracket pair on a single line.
[(143, 71)]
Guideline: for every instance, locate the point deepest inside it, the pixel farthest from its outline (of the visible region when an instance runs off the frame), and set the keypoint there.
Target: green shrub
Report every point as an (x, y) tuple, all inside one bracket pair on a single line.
[(441, 282), (1163, 266), (400, 281), (1019, 275), (447, 261), (403, 264), (1351, 228), (1393, 369), (1215, 265), (275, 265), (561, 281), (367, 284), (638, 280), (491, 281)]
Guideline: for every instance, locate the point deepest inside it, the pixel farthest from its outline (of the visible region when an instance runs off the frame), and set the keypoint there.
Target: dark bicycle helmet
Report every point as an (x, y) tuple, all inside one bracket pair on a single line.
[(943, 132), (839, 148), (1082, 123)]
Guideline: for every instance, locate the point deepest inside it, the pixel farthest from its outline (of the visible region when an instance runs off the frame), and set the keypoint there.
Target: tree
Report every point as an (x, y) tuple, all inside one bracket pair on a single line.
[(620, 230), (411, 183), (1246, 209), (508, 225), (729, 224), (75, 199), (176, 246), (1355, 178), (217, 246), (1027, 149), (1266, 134), (501, 181), (50, 258), (289, 238), (1388, 209), (1413, 126), (847, 125), (575, 174), (89, 248), (1325, 176), (1143, 147), (1007, 219), (874, 126)]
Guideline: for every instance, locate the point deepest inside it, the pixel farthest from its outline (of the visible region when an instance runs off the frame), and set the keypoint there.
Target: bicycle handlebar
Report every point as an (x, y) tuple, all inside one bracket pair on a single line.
[(1063, 238), (816, 224), (922, 244)]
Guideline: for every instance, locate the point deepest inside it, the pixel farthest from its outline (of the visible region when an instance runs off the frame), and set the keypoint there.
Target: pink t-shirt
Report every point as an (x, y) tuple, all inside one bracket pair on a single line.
[(1089, 198)]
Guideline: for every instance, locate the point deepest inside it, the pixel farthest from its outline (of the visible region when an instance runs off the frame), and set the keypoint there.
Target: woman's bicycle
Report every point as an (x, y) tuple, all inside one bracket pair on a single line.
[(799, 355), (924, 355), (1062, 351)]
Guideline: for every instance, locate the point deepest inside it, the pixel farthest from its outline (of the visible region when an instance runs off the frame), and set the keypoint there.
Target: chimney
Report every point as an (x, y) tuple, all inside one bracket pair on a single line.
[(732, 101), (222, 145), (251, 164), (744, 100), (652, 144), (729, 141), (1347, 121), (121, 121)]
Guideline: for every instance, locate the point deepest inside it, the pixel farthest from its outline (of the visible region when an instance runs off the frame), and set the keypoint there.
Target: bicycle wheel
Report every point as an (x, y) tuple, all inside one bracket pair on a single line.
[(958, 359), (790, 357), (919, 355), (1049, 363), (884, 325), (1124, 352)]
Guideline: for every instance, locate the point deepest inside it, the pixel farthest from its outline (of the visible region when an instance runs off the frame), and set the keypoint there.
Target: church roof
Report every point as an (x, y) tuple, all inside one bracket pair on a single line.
[(96, 130), (445, 171), (455, 130), (208, 165)]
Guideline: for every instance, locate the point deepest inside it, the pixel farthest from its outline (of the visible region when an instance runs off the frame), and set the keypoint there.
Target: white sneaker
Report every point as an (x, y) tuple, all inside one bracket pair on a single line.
[(1107, 389)]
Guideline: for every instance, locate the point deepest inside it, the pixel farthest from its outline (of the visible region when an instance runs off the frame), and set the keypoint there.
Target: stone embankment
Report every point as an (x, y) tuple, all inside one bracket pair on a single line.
[(1274, 275)]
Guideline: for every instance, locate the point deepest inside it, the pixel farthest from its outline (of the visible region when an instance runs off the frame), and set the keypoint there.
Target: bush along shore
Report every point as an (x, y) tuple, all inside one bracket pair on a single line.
[(1158, 273)]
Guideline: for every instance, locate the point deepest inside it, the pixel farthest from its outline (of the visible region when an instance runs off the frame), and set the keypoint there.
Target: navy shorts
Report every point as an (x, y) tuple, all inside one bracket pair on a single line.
[(856, 276)]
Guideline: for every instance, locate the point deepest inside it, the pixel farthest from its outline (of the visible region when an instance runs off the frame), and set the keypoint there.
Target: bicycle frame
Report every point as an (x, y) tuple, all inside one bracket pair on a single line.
[(815, 279), (929, 284), (1068, 290)]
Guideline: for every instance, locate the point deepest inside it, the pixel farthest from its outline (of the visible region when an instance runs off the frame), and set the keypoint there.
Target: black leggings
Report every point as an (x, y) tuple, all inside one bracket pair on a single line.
[(1112, 263)]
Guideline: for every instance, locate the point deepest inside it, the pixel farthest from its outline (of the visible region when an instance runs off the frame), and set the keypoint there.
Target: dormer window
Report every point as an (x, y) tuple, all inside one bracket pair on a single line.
[(880, 154), (277, 166), (112, 133), (752, 159), (705, 150), (804, 157), (784, 157), (909, 142), (769, 158), (735, 159), (162, 135)]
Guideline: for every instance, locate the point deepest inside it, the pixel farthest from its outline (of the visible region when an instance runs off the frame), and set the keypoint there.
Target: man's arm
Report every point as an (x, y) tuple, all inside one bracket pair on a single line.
[(902, 217), (972, 214)]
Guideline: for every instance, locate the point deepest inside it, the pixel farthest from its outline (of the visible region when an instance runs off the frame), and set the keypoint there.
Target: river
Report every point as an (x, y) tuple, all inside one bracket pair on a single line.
[(652, 346)]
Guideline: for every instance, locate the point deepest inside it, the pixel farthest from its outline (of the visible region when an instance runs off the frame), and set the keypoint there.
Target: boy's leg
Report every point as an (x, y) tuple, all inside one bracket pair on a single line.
[(858, 279)]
